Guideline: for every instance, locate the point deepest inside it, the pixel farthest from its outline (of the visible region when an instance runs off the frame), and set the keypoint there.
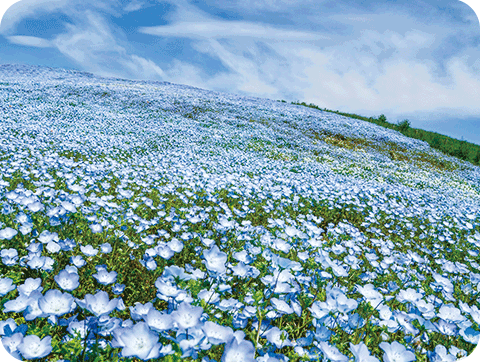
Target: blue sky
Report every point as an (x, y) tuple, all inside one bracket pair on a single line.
[(406, 59)]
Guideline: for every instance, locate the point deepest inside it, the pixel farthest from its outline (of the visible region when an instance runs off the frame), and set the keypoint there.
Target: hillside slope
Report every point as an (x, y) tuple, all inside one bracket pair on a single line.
[(278, 217)]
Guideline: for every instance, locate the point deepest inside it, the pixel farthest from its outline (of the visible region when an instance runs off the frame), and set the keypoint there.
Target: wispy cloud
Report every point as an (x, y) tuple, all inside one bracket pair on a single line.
[(30, 41), (230, 29), (93, 45)]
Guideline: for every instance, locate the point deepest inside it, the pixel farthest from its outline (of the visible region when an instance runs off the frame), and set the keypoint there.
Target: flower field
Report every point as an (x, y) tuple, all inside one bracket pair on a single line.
[(154, 221)]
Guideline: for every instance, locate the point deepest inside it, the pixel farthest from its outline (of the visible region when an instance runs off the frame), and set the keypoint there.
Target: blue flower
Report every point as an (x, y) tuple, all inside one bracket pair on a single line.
[(6, 285), (281, 306), (105, 278), (11, 344), (56, 303), (106, 248), (138, 341), (238, 350), (278, 337), (186, 315), (88, 250), (98, 304), (139, 311), (4, 323), (67, 281), (7, 233), (361, 353), (158, 321), (332, 353), (33, 348), (96, 228), (215, 260), (117, 289), (30, 285), (17, 305), (9, 256), (78, 261), (396, 352), (217, 334)]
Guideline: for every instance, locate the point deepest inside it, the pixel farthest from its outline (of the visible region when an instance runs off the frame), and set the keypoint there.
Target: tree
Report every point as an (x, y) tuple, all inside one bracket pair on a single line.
[(382, 118), (403, 126)]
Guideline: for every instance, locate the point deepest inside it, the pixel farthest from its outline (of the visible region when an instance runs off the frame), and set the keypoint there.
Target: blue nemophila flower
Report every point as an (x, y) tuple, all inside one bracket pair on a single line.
[(11, 326), (35, 248), (170, 272), (396, 352), (36, 262), (322, 334), (29, 286), (187, 316), (138, 341), (243, 256), (278, 337), (409, 295), (53, 247), (11, 344), (427, 309), (8, 233), (78, 261), (166, 289), (451, 314), (33, 309), (470, 335), (331, 352), (88, 250), (336, 302), (47, 236), (33, 348), (56, 303), (19, 304), (117, 289), (361, 353), (215, 260), (139, 311), (158, 321), (96, 228), (240, 269), (68, 281), (217, 334), (192, 342), (35, 207), (9, 256), (6, 285), (104, 277), (440, 354), (281, 306), (106, 248), (175, 245), (98, 304), (209, 296), (446, 328), (164, 251), (371, 295), (238, 350)]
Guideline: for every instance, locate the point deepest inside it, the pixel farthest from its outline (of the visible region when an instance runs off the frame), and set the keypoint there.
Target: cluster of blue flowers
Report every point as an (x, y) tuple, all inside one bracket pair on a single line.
[(253, 237)]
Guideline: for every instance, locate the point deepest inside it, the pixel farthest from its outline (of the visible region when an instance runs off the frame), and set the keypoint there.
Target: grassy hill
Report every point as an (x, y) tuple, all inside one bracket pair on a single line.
[(459, 148), (154, 221)]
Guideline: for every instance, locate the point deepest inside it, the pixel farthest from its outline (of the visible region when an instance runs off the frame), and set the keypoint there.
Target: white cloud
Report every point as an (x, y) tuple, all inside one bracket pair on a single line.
[(30, 41), (93, 45), (133, 6), (229, 29)]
